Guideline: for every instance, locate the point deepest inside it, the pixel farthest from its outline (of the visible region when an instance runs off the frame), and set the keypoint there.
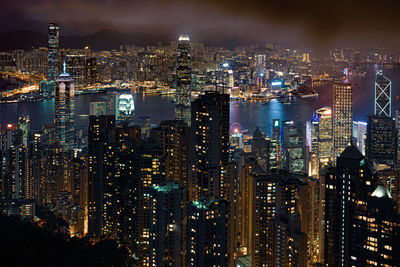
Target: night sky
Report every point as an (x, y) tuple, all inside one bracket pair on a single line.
[(316, 21)]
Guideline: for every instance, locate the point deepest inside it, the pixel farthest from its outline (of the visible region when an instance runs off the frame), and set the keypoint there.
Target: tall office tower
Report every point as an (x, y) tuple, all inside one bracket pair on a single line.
[(277, 237), (53, 53), (325, 140), (90, 71), (312, 129), (207, 233), (359, 135), (98, 108), (76, 67), (260, 62), (356, 59), (166, 227), (274, 156), (111, 102), (209, 151), (294, 148), (347, 187), (260, 147), (145, 124), (383, 94), (173, 139), (183, 79), (64, 111), (381, 140), (100, 168), (313, 166), (342, 116)]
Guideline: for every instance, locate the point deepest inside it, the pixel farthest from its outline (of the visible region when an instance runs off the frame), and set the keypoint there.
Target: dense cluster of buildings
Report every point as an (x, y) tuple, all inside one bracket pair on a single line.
[(184, 68), (195, 192)]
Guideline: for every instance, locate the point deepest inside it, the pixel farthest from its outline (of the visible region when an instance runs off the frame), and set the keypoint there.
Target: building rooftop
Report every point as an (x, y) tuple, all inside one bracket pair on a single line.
[(351, 152), (258, 134), (381, 191), (184, 37)]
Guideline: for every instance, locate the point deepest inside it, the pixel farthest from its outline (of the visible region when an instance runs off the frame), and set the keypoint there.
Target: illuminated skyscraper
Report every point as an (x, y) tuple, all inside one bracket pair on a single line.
[(76, 67), (64, 110), (359, 135), (324, 152), (294, 147), (183, 79), (383, 94), (342, 116), (209, 151), (52, 52), (381, 140)]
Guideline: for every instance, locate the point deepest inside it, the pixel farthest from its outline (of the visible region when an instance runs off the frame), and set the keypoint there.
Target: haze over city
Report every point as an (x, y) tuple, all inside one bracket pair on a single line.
[(200, 133)]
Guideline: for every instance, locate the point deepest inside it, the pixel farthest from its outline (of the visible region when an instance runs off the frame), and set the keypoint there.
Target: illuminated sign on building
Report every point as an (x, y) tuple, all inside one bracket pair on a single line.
[(125, 107), (276, 83)]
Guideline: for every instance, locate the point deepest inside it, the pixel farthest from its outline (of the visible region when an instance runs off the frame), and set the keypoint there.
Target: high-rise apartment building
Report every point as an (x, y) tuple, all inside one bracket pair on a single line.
[(173, 139), (209, 151), (342, 116), (347, 186), (362, 222), (166, 227), (207, 233), (100, 166), (277, 237)]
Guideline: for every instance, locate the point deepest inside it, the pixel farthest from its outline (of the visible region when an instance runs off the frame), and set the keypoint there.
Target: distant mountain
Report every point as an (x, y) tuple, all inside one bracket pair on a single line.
[(111, 39), (102, 40), (21, 40)]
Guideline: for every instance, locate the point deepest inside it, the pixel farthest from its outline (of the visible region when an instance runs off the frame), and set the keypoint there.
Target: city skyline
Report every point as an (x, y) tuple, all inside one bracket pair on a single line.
[(183, 153)]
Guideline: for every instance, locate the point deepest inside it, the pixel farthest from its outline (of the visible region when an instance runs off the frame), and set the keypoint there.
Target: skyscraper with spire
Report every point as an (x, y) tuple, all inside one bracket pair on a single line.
[(53, 52), (183, 79), (64, 112)]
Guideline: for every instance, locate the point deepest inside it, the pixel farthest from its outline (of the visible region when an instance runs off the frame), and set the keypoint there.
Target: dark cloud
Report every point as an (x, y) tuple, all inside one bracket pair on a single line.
[(323, 21)]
